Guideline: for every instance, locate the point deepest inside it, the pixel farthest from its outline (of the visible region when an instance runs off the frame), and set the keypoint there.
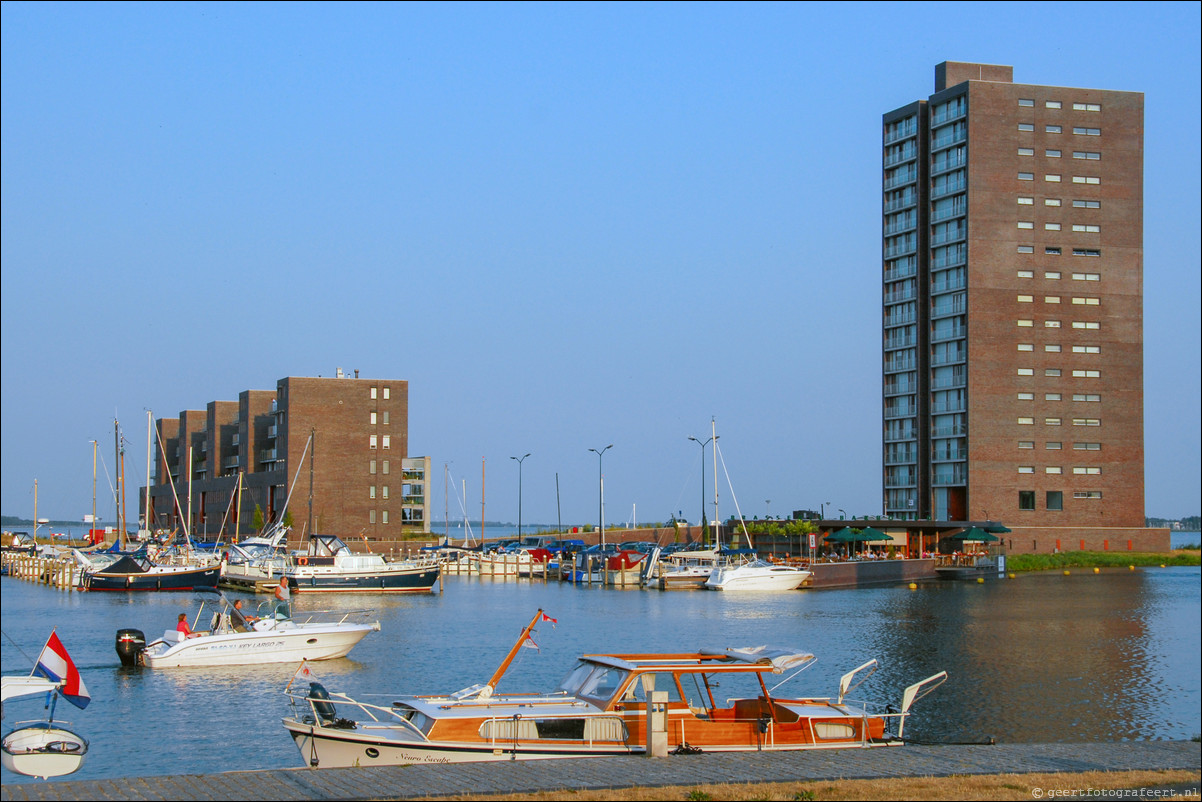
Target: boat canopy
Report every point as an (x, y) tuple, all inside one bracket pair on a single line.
[(781, 660)]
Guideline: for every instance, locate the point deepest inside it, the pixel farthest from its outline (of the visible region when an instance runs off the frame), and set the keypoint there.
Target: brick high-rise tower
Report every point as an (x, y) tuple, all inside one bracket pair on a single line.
[(1013, 307)]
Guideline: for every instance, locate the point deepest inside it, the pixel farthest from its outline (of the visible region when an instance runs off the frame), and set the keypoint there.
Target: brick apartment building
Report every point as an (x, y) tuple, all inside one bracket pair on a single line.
[(1013, 310), (353, 478)]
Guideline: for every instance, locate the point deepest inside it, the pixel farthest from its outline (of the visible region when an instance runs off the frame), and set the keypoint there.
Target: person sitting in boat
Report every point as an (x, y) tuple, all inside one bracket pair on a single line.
[(242, 622), (283, 595), (183, 627)]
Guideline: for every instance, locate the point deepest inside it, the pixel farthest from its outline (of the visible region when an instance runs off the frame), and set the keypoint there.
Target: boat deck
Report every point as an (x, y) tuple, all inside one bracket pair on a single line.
[(526, 777)]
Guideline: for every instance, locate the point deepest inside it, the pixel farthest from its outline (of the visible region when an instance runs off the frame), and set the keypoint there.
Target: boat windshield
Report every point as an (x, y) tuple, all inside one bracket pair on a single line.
[(593, 683)]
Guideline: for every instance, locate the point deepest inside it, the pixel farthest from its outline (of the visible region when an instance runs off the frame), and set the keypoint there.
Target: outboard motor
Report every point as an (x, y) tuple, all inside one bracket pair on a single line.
[(324, 709), (130, 645)]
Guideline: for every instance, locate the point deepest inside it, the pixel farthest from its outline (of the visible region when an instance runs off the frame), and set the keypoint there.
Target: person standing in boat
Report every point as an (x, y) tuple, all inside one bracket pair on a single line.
[(283, 594)]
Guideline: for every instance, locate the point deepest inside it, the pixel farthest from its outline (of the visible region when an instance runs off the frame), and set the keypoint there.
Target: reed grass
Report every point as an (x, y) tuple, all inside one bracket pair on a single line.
[(1098, 559)]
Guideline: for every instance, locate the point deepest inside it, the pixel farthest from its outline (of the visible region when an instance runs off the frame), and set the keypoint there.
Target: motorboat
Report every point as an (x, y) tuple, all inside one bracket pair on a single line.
[(685, 569), (329, 565), (609, 704), (133, 572), (757, 575), (233, 638), (45, 748), (253, 566)]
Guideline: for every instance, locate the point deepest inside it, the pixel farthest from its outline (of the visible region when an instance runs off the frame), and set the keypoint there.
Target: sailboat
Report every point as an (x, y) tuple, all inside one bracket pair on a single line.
[(46, 748)]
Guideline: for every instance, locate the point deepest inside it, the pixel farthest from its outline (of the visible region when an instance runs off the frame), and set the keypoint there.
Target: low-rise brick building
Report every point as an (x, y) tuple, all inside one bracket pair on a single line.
[(339, 446)]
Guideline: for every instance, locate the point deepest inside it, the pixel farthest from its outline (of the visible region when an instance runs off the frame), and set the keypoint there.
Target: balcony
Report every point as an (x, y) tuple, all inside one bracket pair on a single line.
[(954, 430), (901, 271), (953, 333), (901, 178), (905, 154), (896, 365), (952, 358), (907, 129)]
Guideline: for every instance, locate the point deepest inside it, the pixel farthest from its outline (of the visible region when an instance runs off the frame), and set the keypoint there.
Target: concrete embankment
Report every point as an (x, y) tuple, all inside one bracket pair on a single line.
[(407, 782)]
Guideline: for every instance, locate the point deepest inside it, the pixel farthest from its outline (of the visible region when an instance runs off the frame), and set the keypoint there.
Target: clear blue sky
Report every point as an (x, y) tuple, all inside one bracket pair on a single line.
[(565, 225)]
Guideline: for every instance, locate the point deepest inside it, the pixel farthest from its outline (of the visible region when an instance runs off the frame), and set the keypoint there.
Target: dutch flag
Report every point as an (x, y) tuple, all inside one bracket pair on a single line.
[(56, 665)]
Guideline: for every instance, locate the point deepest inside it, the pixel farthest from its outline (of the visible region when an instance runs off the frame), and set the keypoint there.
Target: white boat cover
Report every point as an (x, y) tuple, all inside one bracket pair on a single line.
[(781, 660)]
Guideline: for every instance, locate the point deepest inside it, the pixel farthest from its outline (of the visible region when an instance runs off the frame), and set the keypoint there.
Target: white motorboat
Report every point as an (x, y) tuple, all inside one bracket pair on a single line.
[(330, 565), (235, 639), (757, 575), (45, 748)]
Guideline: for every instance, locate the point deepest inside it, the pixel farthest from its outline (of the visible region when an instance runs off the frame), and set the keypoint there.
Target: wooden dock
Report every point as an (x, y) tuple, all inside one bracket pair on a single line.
[(568, 776)]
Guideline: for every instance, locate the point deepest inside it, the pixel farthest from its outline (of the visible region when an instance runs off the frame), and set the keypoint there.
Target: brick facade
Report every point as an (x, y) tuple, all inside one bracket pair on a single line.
[(1013, 306), (339, 445)]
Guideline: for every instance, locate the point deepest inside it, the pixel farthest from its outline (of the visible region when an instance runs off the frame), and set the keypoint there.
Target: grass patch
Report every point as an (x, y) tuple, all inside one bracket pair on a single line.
[(1097, 559)]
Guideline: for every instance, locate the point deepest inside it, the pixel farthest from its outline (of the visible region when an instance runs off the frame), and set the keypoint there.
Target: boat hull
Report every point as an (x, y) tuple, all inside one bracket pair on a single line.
[(725, 579), (327, 748), (190, 579), (42, 749), (255, 648), (406, 580)]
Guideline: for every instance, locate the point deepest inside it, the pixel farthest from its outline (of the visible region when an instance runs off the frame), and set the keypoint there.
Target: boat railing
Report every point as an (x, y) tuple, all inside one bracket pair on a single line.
[(325, 709), (266, 609)]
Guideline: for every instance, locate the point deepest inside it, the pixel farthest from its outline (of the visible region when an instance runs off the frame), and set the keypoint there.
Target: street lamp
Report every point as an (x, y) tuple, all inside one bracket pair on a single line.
[(520, 459), (703, 445), (842, 515), (601, 492)]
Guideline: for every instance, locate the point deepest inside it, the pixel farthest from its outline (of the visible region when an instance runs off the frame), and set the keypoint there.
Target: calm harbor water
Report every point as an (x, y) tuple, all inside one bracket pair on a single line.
[(1040, 658)]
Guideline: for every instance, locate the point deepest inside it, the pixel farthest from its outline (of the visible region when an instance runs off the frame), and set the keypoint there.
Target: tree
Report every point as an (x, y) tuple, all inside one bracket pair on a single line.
[(257, 520)]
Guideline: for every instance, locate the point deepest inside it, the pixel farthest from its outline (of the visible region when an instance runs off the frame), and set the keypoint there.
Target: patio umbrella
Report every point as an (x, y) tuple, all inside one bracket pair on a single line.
[(844, 535), (975, 534), (869, 533)]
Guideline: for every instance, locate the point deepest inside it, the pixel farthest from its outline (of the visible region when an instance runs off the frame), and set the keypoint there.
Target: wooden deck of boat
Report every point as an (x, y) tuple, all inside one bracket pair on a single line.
[(524, 777)]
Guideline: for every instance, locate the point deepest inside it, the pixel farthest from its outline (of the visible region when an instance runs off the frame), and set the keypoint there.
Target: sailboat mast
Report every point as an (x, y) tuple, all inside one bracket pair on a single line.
[(117, 491), (149, 455), (482, 466), (717, 522), (93, 527)]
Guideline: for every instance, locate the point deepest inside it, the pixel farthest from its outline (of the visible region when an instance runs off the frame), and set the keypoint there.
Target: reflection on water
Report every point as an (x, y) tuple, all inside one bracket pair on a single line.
[(1040, 658)]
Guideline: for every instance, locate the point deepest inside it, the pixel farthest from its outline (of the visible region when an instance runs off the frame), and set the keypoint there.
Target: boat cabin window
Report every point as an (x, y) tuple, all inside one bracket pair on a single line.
[(594, 683), (659, 681)]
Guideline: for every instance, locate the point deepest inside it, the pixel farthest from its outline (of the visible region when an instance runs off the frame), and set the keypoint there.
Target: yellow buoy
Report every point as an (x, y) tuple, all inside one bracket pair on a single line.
[(1066, 573), (980, 580), (1097, 570), (913, 586), (1162, 565), (1131, 567)]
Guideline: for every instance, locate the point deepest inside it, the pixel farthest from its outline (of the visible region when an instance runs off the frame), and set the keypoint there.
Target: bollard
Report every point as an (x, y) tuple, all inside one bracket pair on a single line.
[(657, 724)]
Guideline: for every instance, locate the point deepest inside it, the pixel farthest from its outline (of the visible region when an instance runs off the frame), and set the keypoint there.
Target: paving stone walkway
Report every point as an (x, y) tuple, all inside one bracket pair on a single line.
[(407, 782)]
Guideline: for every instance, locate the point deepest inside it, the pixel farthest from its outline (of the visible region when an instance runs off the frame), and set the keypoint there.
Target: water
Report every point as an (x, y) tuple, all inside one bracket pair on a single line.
[(1041, 658)]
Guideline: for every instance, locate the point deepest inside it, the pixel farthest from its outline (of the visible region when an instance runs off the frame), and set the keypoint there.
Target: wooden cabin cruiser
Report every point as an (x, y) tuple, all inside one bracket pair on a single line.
[(757, 575), (329, 565), (235, 639), (609, 704)]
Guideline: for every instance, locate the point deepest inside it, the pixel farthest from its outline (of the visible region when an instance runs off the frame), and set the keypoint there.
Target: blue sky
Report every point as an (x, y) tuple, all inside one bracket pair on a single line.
[(566, 225)]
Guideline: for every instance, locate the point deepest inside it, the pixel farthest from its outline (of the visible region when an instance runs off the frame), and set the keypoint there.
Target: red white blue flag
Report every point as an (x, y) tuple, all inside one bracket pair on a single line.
[(56, 665)]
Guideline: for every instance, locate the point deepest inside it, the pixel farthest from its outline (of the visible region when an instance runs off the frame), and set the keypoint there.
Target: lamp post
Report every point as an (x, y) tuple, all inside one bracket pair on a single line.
[(601, 492), (703, 445), (520, 459)]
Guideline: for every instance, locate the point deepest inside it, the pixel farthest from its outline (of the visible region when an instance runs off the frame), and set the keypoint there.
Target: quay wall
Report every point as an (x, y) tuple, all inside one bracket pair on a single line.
[(870, 572)]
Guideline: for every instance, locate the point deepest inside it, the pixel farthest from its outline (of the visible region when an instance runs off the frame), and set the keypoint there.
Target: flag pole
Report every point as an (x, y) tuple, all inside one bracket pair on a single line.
[(500, 672)]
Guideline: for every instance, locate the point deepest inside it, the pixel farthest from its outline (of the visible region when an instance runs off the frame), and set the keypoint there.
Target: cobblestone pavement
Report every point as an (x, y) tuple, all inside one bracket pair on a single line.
[(405, 782)]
